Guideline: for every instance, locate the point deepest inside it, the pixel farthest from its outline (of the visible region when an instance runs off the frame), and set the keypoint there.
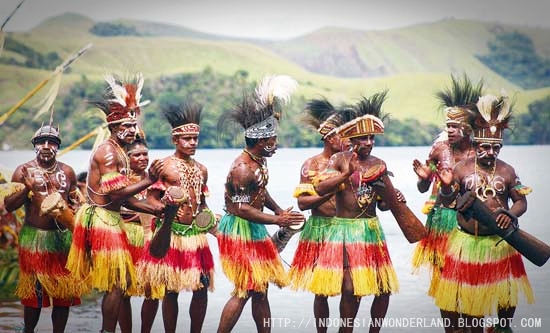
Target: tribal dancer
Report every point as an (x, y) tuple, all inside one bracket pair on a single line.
[(324, 118), (248, 256), (45, 237), (188, 264), (137, 227), (100, 252), (482, 274), (452, 146), (354, 259)]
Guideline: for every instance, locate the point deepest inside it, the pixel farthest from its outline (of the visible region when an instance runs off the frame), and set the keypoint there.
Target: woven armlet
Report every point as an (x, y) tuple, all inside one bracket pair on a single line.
[(113, 181), (304, 188)]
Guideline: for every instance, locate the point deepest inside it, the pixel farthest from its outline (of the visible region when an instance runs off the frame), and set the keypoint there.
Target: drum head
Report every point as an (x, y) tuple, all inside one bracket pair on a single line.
[(205, 220), (50, 202), (297, 226), (175, 195)]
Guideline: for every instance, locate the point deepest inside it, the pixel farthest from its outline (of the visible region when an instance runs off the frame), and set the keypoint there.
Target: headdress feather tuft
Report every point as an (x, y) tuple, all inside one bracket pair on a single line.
[(275, 87), (368, 117), (493, 115), (259, 112), (459, 101), (462, 93), (122, 99)]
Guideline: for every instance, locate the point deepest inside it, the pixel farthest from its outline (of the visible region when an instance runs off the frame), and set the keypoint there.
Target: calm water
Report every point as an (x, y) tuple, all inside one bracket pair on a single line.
[(292, 311)]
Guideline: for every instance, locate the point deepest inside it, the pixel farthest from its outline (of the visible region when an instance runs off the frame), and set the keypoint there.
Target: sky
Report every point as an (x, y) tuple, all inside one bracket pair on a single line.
[(280, 19)]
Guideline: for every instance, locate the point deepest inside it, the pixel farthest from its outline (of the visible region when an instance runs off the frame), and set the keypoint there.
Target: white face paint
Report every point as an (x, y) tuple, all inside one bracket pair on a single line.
[(122, 134), (270, 149), (45, 150)]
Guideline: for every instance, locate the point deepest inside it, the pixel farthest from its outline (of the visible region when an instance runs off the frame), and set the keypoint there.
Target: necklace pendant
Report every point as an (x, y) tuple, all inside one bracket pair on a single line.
[(362, 200)]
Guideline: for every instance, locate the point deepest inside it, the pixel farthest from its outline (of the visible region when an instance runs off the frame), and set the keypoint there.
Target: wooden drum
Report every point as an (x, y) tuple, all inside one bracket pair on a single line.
[(56, 207)]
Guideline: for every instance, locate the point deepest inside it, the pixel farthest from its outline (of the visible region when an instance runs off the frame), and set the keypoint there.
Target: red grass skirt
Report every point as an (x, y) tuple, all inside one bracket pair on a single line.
[(478, 276), (248, 257)]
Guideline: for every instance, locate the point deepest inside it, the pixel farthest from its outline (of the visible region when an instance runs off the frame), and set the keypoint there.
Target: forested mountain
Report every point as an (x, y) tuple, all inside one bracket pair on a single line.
[(339, 64)]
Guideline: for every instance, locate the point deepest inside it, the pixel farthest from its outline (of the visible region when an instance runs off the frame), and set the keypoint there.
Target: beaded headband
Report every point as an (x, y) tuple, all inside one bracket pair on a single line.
[(190, 129)]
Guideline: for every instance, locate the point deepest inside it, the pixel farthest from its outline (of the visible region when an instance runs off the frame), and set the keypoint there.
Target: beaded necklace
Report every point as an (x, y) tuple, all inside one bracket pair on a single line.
[(190, 179), (121, 154), (49, 170)]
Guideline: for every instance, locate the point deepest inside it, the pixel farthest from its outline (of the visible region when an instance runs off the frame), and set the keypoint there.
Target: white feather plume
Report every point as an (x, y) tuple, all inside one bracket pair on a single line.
[(138, 90), (118, 90), (485, 105), (275, 86)]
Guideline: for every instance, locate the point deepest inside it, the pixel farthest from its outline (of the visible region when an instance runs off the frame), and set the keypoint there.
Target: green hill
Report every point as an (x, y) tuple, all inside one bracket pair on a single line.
[(339, 64), (443, 46)]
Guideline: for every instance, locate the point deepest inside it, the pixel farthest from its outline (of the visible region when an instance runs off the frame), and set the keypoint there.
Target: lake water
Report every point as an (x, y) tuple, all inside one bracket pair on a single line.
[(291, 310)]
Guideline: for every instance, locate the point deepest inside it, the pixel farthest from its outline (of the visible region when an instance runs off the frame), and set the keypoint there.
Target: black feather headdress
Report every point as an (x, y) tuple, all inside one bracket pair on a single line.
[(325, 118), (459, 101), (368, 117), (184, 118), (258, 113)]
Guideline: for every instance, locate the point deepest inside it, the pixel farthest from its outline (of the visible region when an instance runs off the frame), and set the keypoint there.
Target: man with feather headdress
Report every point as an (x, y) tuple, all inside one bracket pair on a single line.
[(248, 256), (188, 263), (354, 260), (100, 252), (453, 145), (481, 274), (322, 116)]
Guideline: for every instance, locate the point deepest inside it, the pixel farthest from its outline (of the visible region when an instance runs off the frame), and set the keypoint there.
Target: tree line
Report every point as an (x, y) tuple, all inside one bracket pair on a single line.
[(218, 93)]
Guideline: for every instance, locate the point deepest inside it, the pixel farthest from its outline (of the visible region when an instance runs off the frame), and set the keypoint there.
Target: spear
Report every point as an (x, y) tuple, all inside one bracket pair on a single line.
[(98, 131), (58, 71), (4, 24)]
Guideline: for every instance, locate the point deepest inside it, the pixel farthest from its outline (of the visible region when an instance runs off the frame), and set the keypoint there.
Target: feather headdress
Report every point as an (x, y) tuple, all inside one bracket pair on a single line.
[(369, 117), (184, 118), (122, 99), (258, 113), (493, 115), (322, 116), (459, 100)]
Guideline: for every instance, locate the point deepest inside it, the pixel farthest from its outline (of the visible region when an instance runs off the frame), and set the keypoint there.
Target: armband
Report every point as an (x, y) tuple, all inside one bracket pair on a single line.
[(304, 188), (113, 181), (522, 189), (240, 198), (205, 191)]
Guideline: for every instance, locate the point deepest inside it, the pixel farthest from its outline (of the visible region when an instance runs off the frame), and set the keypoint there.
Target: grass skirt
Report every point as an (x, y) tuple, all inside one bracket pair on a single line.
[(368, 259), (248, 257), (430, 251), (42, 259), (184, 267), (134, 232), (307, 252), (478, 276), (100, 252)]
